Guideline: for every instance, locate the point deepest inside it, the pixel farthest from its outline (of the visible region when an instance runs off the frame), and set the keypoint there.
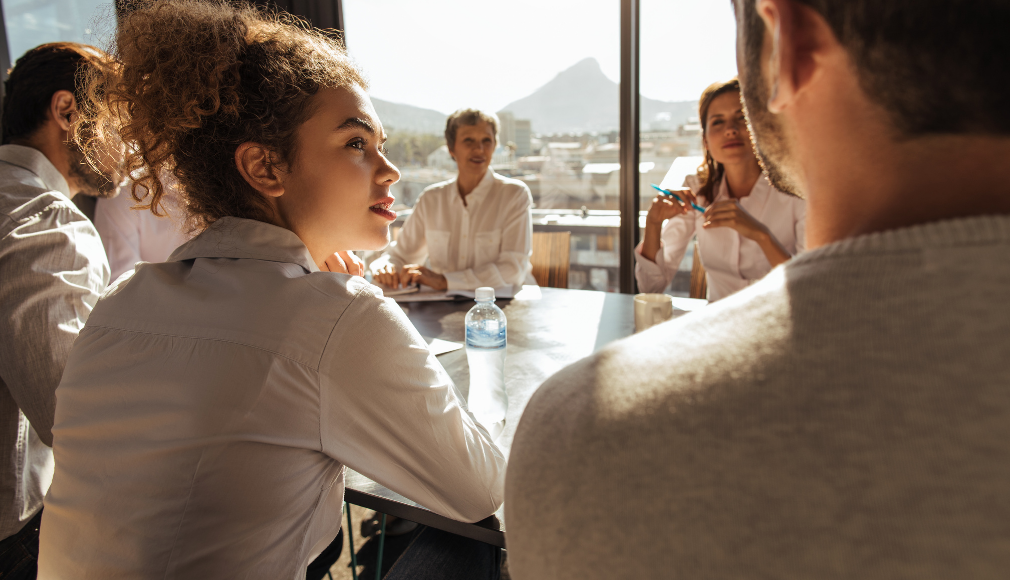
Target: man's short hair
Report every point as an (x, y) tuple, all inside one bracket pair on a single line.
[(937, 66), (42, 71), (468, 117)]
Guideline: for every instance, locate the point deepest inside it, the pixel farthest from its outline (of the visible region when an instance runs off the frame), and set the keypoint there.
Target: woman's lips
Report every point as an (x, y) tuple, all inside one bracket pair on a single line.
[(389, 215), (733, 144), (382, 208)]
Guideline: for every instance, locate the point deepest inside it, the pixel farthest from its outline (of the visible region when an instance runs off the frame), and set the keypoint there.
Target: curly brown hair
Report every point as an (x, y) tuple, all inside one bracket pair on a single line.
[(710, 172), (197, 79)]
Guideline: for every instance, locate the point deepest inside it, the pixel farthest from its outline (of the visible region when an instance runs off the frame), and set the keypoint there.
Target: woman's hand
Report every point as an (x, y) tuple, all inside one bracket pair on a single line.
[(388, 276), (665, 207), (730, 214), (345, 263), (414, 274)]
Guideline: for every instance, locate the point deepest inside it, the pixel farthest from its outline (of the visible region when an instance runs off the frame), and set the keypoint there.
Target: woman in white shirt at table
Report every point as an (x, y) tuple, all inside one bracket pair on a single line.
[(212, 404), (748, 226), (471, 231), (134, 235)]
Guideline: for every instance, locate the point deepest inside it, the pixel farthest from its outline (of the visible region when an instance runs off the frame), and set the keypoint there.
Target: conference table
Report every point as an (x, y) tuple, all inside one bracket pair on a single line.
[(548, 329)]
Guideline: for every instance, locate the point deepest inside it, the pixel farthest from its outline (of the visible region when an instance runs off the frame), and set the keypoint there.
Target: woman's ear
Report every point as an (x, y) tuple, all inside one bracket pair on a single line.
[(260, 168)]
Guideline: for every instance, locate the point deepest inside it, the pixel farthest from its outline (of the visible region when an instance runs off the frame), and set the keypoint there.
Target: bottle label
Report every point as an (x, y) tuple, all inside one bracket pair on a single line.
[(488, 336)]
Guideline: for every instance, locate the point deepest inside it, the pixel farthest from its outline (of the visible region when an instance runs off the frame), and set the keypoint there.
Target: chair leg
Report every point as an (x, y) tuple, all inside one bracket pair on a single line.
[(382, 542), (350, 540)]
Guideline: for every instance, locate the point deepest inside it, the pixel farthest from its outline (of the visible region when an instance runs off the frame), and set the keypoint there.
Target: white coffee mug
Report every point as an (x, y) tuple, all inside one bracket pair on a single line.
[(652, 309)]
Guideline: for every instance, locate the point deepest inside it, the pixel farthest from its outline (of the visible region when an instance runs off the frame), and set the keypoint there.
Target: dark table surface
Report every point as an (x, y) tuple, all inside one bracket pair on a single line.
[(547, 331)]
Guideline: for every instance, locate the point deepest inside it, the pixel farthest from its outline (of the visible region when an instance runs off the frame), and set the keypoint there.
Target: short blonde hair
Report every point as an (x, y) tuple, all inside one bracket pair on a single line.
[(468, 117)]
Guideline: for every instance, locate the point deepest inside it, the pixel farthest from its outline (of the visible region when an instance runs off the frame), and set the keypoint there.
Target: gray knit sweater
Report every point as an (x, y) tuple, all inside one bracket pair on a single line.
[(846, 417)]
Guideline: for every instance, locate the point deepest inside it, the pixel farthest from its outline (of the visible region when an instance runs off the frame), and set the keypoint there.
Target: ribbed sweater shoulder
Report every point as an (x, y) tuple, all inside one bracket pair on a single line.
[(848, 416)]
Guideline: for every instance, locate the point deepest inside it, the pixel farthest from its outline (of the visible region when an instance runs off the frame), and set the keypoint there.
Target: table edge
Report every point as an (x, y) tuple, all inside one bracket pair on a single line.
[(487, 530)]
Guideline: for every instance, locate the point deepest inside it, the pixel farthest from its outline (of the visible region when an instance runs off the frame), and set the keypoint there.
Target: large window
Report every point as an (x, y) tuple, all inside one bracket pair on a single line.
[(548, 69), (686, 45), (30, 23)]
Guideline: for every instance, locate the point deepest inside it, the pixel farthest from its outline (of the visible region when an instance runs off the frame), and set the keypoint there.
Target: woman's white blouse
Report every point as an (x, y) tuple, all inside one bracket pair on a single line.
[(212, 402), (486, 242), (732, 262)]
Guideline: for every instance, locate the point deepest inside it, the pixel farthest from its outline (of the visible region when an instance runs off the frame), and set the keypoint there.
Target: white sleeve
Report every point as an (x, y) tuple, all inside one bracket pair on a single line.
[(390, 412), (654, 277), (53, 272), (513, 263), (119, 227)]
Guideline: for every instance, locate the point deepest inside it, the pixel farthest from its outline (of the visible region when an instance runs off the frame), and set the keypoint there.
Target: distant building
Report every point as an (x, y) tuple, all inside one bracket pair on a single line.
[(440, 159), (507, 128), (504, 160), (690, 129), (522, 137), (662, 122), (515, 131)]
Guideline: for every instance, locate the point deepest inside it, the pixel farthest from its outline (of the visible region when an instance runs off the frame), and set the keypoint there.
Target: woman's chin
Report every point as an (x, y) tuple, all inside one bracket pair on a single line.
[(377, 241)]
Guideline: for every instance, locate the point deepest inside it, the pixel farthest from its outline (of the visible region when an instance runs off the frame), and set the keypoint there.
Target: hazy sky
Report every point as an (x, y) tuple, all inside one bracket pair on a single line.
[(447, 54)]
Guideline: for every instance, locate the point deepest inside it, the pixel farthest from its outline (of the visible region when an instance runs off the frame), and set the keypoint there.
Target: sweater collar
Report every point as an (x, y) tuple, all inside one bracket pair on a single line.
[(943, 234)]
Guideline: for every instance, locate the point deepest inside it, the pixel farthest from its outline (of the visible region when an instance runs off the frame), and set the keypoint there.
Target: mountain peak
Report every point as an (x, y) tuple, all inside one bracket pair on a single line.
[(582, 99), (588, 64), (584, 69)]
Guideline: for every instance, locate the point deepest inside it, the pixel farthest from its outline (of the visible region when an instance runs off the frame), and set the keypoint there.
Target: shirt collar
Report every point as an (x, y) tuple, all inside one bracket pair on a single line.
[(35, 161), (232, 237), (762, 187), (480, 192)]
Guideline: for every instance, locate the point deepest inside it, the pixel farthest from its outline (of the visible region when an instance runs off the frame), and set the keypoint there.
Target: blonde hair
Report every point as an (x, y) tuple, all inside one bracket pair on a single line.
[(468, 117)]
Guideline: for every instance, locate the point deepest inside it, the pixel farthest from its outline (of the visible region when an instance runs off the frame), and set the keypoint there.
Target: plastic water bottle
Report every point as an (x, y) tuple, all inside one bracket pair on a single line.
[(485, 351)]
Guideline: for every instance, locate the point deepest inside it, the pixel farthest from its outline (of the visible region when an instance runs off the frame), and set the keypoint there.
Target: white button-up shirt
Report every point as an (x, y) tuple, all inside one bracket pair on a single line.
[(134, 235), (52, 271), (732, 262), (486, 242), (211, 403)]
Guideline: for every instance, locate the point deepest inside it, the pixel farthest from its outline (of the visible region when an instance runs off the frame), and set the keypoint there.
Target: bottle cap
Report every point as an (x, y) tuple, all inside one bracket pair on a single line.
[(484, 293)]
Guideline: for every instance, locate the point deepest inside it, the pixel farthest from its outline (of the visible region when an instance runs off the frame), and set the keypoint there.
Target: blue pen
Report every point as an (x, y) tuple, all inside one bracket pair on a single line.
[(677, 197)]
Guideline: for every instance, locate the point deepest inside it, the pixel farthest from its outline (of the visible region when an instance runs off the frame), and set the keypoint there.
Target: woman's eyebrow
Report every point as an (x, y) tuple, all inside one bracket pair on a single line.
[(358, 122)]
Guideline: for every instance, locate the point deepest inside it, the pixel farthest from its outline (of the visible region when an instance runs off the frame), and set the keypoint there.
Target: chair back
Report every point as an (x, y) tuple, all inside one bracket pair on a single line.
[(550, 258), (699, 281)]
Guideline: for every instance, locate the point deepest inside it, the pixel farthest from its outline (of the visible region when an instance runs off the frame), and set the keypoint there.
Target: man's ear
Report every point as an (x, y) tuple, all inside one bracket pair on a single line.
[(63, 109), (260, 168), (796, 40)]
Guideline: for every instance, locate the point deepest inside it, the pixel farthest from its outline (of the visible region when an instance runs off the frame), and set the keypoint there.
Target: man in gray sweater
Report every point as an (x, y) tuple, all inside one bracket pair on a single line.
[(849, 415)]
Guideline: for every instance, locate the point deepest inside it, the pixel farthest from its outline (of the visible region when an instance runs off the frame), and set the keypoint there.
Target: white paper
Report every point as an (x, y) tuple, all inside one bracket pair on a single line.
[(428, 294), (438, 346)]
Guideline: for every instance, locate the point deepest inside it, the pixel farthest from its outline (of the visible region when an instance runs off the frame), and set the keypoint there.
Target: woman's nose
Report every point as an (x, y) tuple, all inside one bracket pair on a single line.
[(388, 172)]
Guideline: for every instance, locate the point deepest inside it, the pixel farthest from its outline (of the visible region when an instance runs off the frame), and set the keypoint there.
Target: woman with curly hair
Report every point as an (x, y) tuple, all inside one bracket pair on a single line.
[(211, 404), (748, 226)]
